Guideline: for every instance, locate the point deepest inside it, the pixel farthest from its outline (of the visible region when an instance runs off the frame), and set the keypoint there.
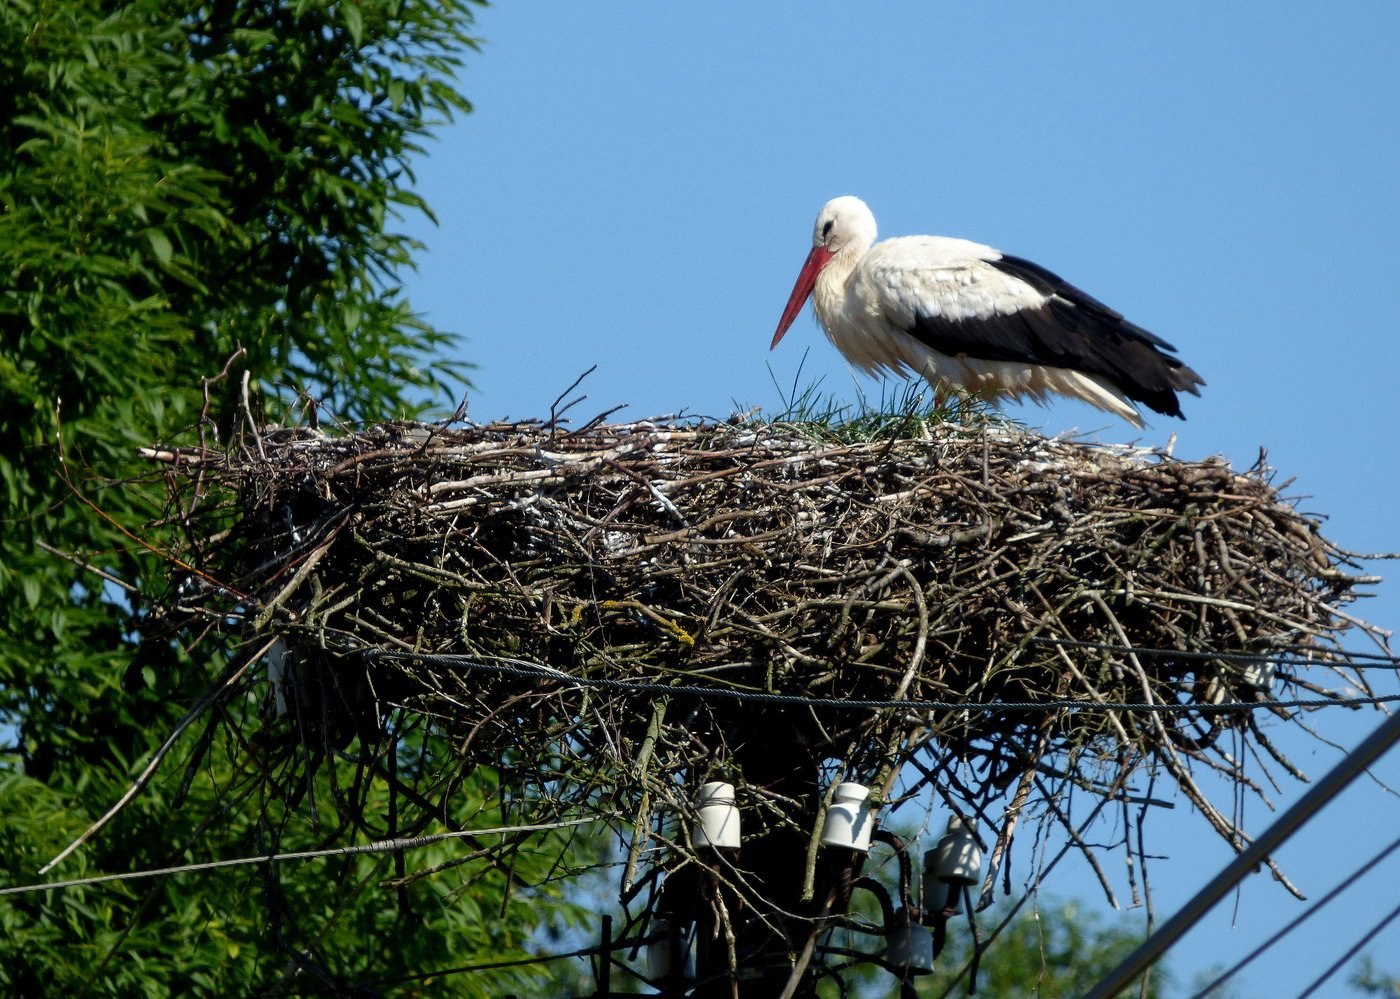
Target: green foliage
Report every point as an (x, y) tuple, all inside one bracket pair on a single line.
[(1370, 980), (1048, 950), (190, 191), (1057, 950)]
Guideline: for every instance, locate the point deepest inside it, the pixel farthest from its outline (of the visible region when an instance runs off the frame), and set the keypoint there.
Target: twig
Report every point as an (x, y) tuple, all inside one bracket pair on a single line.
[(230, 678)]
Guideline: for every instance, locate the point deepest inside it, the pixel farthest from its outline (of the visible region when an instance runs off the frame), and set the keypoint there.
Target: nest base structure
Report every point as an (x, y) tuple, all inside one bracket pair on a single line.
[(611, 617)]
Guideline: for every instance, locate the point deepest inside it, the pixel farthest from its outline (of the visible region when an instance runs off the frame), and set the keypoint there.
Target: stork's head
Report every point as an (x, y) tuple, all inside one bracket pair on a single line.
[(844, 223)]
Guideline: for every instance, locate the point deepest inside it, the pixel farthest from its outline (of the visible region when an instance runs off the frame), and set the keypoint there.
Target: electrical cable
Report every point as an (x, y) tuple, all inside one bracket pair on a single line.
[(1351, 952), (380, 846), (1284, 656), (1299, 920), (1367, 752), (518, 962), (523, 668)]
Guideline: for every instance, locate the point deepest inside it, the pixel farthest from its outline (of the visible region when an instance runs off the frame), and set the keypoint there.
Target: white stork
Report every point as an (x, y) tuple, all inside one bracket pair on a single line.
[(971, 319)]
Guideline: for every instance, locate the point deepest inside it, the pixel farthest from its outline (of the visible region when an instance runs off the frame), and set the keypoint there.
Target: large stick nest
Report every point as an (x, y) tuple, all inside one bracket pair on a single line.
[(983, 567)]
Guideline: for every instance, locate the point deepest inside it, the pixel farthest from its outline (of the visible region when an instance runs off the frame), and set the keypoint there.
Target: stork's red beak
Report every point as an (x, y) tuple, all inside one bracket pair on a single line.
[(806, 281)]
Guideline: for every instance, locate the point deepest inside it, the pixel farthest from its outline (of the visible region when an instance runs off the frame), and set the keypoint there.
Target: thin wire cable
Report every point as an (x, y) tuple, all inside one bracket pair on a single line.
[(1284, 656), (379, 846), (620, 944), (1336, 965), (1319, 796), (494, 965), (520, 667), (1299, 920)]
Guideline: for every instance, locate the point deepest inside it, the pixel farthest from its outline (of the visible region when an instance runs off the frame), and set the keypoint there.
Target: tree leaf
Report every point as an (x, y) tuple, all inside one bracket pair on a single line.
[(160, 246)]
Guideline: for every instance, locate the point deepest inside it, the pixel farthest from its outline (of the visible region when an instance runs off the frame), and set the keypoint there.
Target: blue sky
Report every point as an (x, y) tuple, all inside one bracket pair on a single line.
[(636, 189)]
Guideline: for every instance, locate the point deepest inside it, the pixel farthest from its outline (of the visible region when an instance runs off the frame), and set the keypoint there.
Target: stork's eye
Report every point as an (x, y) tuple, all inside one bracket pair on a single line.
[(826, 229)]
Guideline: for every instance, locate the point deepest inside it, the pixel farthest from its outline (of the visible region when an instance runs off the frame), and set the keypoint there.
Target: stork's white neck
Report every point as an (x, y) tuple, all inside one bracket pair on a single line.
[(829, 295)]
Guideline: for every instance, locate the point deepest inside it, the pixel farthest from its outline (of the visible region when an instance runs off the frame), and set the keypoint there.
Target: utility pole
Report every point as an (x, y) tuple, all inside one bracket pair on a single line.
[(772, 862)]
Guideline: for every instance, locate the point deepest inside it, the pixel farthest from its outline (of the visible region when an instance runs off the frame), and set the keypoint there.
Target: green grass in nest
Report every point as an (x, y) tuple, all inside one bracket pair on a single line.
[(905, 410)]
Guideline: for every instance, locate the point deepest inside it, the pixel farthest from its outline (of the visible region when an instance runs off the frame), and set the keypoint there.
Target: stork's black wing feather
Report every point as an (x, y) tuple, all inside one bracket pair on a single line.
[(1071, 329), (1047, 282)]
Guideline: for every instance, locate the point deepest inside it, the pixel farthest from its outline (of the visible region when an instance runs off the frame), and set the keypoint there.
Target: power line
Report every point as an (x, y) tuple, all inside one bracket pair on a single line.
[(517, 962), (536, 671), (1299, 920), (380, 846), (1372, 748), (1284, 655), (1367, 938)]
